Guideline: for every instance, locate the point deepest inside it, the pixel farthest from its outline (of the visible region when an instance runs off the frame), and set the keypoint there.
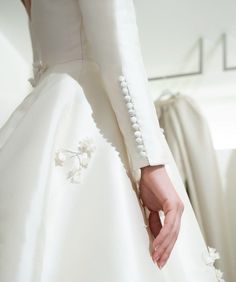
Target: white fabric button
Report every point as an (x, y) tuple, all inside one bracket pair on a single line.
[(125, 90), (133, 120), (140, 147), (121, 78), (131, 112), (137, 133), (143, 154), (135, 126), (139, 140), (123, 83), (127, 98), (129, 105)]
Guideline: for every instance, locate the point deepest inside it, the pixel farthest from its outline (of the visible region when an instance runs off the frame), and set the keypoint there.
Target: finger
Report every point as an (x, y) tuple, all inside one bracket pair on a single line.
[(163, 245), (166, 254), (168, 225), (154, 223), (172, 211), (161, 248)]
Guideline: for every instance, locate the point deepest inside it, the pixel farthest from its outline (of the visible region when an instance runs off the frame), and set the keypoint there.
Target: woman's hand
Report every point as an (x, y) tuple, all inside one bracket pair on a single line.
[(158, 193)]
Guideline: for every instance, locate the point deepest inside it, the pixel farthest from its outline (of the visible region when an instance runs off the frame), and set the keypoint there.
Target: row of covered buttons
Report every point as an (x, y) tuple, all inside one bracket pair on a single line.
[(133, 117)]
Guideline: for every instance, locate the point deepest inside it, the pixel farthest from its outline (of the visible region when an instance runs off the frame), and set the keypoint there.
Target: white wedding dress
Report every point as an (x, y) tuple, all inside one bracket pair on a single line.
[(69, 207)]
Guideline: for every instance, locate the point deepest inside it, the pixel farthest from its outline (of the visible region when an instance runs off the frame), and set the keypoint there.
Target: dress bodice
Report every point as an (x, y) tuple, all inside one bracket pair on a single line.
[(57, 31), (57, 34)]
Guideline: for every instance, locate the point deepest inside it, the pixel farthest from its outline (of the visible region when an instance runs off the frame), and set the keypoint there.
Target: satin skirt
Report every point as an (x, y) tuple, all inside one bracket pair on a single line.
[(69, 207)]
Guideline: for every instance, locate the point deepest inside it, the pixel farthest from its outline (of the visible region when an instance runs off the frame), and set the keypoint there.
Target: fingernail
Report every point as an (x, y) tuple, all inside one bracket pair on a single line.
[(161, 265)]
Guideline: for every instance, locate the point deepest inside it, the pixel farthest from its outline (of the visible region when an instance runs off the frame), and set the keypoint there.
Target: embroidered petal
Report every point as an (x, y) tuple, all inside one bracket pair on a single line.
[(60, 158), (86, 146), (213, 253), (84, 159)]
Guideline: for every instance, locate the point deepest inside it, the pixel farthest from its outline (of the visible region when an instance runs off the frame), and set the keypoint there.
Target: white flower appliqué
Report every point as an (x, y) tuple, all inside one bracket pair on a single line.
[(60, 158), (80, 159), (39, 67), (210, 260), (219, 275), (212, 256)]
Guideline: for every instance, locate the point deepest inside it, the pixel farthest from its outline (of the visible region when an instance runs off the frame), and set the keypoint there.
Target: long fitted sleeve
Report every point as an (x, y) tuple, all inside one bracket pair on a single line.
[(112, 33)]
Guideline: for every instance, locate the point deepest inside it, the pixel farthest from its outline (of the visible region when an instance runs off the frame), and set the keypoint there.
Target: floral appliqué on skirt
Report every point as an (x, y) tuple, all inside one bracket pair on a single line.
[(78, 160), (210, 258)]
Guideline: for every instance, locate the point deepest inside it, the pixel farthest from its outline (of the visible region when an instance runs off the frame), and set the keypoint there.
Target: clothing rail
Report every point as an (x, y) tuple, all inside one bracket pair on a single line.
[(225, 51), (198, 72)]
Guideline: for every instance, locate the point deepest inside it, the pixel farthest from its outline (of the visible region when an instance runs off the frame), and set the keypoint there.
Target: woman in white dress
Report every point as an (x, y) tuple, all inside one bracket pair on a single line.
[(89, 189)]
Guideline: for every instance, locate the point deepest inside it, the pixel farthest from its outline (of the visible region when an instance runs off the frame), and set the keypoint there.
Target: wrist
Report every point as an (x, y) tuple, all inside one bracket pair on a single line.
[(150, 168)]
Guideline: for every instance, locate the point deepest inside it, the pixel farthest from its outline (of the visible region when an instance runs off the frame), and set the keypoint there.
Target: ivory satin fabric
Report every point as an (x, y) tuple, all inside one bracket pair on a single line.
[(54, 228)]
